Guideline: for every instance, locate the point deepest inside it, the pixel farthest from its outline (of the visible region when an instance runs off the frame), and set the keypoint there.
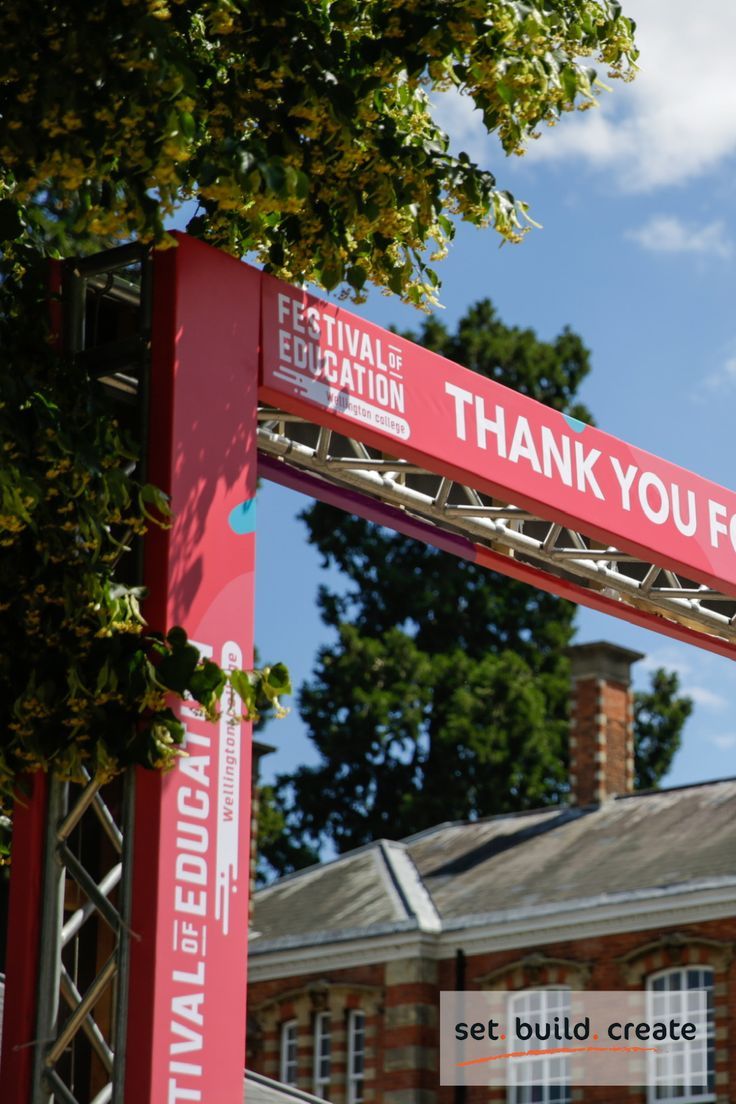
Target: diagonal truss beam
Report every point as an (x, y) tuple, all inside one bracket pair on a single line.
[(81, 1017), (627, 584)]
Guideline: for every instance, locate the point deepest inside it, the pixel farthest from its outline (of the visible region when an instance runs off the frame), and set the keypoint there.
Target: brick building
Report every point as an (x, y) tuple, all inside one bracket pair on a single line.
[(615, 891)]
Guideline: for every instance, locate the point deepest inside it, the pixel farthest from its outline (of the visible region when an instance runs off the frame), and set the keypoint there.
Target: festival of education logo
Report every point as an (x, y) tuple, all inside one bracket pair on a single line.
[(337, 362)]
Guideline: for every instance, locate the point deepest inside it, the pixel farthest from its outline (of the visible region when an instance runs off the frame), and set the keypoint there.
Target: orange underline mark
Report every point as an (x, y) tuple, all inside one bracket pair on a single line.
[(557, 1050)]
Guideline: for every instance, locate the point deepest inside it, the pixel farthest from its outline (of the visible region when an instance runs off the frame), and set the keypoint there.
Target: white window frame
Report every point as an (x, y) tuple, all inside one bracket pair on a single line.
[(322, 1053), (289, 1053), (680, 982), (547, 1091), (356, 1056)]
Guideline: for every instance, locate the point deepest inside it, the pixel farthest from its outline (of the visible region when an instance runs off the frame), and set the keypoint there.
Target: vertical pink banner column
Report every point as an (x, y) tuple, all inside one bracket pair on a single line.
[(186, 1018)]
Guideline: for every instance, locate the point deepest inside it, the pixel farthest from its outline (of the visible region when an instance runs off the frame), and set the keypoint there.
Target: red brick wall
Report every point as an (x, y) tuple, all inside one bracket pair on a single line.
[(401, 1001), (602, 955), (302, 997)]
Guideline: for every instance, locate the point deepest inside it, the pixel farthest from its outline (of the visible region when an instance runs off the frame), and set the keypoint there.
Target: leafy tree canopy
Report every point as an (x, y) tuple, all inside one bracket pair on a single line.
[(304, 130), (303, 133), (445, 694)]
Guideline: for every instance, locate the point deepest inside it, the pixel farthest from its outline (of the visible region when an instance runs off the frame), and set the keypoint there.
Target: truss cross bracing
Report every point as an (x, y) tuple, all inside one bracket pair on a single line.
[(445, 506), (82, 985)]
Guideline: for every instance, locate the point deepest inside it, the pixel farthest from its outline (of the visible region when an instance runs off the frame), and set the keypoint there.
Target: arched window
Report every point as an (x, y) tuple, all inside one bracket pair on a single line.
[(681, 1075), (544, 1079)]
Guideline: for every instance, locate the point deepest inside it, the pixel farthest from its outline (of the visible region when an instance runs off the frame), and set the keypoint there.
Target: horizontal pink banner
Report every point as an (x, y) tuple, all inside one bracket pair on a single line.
[(339, 370)]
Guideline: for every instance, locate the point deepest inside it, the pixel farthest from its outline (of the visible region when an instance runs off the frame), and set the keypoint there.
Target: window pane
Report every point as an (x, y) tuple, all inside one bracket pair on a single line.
[(289, 1052), (322, 1051), (679, 1063), (356, 1056), (541, 1079)]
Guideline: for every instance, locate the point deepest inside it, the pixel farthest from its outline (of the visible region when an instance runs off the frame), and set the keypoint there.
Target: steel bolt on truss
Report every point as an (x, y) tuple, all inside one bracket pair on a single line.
[(82, 985)]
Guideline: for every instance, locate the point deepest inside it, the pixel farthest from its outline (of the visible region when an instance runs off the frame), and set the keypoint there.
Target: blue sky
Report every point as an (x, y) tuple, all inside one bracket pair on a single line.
[(638, 255)]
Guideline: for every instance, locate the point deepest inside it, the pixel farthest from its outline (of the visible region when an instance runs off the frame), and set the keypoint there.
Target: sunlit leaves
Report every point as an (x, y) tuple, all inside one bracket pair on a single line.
[(305, 130), (305, 133)]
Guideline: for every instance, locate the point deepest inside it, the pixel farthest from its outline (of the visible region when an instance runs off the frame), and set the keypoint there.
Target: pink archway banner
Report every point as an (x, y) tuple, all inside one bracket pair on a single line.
[(328, 364)]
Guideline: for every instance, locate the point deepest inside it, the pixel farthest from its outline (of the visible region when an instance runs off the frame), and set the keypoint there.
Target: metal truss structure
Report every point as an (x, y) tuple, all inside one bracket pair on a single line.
[(332, 459), (83, 969), (450, 507), (499, 526), (81, 1008)]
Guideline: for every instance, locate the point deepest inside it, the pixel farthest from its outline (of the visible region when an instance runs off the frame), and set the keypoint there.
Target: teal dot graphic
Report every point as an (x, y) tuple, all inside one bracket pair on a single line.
[(243, 517), (575, 424)]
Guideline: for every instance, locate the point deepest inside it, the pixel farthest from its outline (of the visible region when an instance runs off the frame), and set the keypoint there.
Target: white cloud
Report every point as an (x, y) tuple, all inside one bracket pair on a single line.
[(678, 118), (675, 122), (459, 118), (724, 741), (702, 696), (724, 378), (667, 234), (699, 674)]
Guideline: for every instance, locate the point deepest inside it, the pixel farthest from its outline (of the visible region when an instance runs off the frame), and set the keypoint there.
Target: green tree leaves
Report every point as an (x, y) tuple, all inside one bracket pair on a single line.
[(305, 131), (305, 134), (659, 716), (82, 684)]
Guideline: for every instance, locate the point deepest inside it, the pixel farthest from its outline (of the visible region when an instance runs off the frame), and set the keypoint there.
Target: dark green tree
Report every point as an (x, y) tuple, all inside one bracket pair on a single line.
[(659, 717), (445, 694)]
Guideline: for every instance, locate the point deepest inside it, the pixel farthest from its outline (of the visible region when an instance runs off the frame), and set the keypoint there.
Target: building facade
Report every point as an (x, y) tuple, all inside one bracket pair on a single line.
[(614, 891)]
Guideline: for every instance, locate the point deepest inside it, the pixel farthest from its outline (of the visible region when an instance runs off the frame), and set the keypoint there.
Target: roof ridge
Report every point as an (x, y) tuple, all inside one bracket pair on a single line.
[(674, 789), (557, 808), (319, 866), (482, 820), (410, 885)]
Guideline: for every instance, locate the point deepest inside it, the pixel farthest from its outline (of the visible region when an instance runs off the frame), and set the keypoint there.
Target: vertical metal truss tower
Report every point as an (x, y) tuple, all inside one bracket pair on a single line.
[(81, 1005)]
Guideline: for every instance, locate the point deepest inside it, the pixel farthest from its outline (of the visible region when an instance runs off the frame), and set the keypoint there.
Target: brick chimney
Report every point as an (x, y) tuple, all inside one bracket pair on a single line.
[(601, 722)]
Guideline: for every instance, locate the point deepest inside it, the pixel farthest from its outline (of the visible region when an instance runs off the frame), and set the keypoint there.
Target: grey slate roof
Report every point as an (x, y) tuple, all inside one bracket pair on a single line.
[(373, 887), (633, 843), (629, 846), (348, 893)]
